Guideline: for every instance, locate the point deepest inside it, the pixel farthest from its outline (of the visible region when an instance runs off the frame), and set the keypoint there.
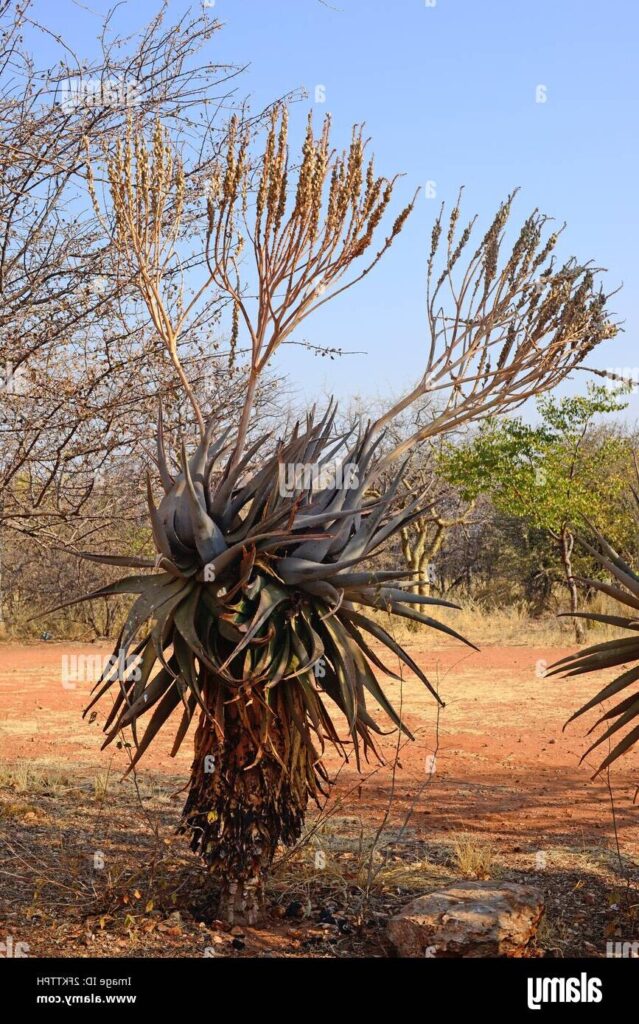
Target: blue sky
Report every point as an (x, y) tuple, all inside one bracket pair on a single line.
[(448, 91)]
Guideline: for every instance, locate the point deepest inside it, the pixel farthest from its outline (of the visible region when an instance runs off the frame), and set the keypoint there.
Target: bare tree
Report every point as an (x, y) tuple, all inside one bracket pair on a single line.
[(73, 349)]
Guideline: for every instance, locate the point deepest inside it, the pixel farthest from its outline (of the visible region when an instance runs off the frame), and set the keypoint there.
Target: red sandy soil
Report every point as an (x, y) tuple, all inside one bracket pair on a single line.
[(503, 763), (503, 768)]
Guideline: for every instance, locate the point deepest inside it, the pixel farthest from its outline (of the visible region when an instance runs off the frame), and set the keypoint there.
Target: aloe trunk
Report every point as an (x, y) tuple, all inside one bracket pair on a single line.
[(242, 802)]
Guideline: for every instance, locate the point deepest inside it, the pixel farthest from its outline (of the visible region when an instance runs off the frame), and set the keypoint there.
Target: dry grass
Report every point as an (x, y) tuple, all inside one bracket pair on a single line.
[(348, 868), (507, 625), (29, 778), (101, 786), (20, 811), (473, 857)]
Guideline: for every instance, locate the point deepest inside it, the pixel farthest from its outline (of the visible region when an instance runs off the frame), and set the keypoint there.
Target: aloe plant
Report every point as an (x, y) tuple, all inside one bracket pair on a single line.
[(610, 654), (257, 620), (253, 618)]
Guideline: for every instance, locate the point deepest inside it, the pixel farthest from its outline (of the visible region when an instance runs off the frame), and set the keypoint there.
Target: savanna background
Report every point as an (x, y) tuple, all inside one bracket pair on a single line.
[(492, 787)]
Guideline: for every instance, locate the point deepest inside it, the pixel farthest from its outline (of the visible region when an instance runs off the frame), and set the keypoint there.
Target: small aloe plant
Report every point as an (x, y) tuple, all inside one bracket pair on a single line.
[(610, 654)]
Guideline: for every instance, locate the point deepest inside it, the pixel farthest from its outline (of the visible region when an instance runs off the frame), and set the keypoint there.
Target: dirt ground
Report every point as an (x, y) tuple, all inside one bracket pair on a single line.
[(490, 788)]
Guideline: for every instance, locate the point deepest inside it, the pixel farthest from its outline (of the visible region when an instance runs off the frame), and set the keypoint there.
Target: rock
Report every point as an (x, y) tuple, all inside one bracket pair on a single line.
[(471, 919)]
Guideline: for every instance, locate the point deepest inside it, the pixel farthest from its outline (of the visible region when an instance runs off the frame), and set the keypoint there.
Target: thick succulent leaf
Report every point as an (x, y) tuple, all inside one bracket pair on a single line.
[(609, 654), (185, 622), (152, 601), (168, 704), (372, 685), (628, 578), (163, 466), (385, 598), (208, 537), (325, 590), (185, 658), (344, 666), (126, 561), (620, 621), (628, 715), (129, 585), (618, 709), (270, 598), (618, 684), (129, 691), (150, 695), (603, 656), (624, 745), (368, 650), (385, 638), (157, 526), (608, 549), (615, 592), (184, 723), (426, 620), (257, 589)]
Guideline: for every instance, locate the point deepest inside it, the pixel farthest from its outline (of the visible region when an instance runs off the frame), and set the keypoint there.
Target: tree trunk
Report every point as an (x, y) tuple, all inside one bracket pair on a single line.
[(424, 589), (567, 542), (419, 552), (242, 800)]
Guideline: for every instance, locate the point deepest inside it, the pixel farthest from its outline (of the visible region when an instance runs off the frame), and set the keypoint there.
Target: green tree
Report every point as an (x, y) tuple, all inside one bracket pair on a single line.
[(556, 473)]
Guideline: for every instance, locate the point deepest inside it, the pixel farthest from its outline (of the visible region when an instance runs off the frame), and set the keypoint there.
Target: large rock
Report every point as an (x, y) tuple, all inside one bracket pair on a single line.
[(469, 919)]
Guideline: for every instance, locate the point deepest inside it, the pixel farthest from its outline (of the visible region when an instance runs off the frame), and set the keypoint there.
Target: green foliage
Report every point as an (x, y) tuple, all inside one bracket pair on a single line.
[(555, 473)]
